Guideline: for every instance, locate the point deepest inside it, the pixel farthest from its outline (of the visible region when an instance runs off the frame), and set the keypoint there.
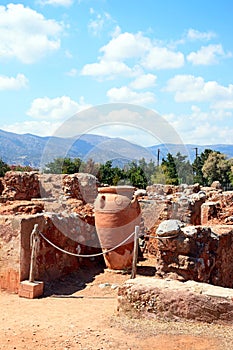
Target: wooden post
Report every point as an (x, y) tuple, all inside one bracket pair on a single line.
[(33, 240), (135, 252)]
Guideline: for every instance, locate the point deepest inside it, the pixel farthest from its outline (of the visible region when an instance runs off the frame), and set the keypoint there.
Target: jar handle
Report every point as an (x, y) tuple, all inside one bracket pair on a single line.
[(102, 201)]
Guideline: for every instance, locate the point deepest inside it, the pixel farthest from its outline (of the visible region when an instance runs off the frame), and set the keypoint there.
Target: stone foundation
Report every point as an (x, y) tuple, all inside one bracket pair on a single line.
[(169, 299)]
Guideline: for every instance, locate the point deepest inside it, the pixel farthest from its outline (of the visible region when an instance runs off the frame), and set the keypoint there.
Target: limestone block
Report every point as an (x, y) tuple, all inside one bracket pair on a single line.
[(170, 299)]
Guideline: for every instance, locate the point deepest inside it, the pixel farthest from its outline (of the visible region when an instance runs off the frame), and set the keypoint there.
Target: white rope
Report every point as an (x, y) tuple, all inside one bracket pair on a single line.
[(82, 255), (162, 237)]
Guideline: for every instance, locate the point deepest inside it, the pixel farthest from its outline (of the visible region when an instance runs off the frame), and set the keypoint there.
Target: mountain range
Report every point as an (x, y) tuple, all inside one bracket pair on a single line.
[(36, 151)]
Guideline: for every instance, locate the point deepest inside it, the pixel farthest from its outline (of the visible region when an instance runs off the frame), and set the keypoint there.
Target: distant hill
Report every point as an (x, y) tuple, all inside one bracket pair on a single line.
[(33, 150)]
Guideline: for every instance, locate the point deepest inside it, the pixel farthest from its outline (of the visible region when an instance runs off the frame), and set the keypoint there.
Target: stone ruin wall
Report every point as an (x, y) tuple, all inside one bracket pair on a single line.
[(201, 250), (64, 212), (202, 254)]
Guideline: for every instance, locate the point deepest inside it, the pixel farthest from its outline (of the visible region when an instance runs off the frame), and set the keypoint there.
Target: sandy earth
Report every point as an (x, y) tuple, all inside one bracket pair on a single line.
[(80, 312)]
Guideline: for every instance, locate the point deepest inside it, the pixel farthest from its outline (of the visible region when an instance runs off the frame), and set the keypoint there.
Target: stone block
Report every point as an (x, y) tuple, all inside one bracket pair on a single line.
[(31, 290), (174, 300)]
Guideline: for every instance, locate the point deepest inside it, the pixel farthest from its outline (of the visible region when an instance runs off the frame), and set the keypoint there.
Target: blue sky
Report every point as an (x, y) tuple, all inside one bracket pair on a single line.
[(60, 57)]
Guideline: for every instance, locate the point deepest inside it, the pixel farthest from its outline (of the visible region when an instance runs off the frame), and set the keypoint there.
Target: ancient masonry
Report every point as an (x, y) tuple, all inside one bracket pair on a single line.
[(62, 206), (193, 227)]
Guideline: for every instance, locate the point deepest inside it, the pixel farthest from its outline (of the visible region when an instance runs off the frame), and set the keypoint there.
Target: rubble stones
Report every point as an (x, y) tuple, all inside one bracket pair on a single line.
[(20, 185)]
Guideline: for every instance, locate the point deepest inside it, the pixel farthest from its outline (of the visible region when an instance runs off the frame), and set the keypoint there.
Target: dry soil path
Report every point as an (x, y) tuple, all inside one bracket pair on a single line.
[(84, 316)]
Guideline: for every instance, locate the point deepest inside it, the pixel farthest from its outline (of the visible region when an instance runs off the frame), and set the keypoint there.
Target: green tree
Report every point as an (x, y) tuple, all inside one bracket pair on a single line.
[(169, 169), (217, 168), (158, 177), (109, 175), (231, 171), (63, 166), (3, 168), (184, 169), (148, 169), (136, 176), (71, 166), (22, 168), (198, 165)]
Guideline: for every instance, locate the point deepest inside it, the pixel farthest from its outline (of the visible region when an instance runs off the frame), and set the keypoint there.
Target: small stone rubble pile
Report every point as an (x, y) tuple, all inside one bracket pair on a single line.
[(19, 186)]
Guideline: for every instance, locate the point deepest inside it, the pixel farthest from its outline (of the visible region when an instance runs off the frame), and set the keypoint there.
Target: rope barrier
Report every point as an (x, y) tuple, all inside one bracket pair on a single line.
[(88, 255), (165, 237)]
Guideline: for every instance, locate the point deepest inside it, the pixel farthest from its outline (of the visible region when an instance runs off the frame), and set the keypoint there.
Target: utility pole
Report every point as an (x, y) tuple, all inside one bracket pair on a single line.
[(196, 151), (158, 154)]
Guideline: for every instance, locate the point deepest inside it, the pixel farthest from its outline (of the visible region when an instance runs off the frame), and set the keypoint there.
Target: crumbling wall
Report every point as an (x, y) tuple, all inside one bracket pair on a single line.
[(81, 186), (197, 253), (70, 233), (218, 210), (17, 185), (9, 253), (222, 273), (20, 186)]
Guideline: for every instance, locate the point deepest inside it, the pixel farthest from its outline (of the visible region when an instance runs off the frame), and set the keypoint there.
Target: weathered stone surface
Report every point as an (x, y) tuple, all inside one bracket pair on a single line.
[(80, 186), (9, 253), (171, 299), (21, 185), (169, 228), (217, 185), (222, 273), (203, 254), (51, 186), (210, 211), (20, 207)]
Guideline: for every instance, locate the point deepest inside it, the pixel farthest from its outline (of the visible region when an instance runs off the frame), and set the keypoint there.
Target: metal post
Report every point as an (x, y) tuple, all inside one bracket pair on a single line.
[(34, 239), (135, 252)]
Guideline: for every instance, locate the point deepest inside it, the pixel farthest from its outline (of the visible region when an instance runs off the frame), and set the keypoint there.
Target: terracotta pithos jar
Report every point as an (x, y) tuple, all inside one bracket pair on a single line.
[(117, 212)]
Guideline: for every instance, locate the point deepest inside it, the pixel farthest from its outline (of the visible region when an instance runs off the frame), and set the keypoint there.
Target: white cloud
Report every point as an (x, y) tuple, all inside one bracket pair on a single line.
[(207, 55), (57, 2), (189, 88), (203, 127), (127, 53), (11, 83), (27, 34), (126, 45), (41, 128), (97, 25), (163, 58), (143, 81), (58, 108), (125, 94), (107, 68), (193, 34)]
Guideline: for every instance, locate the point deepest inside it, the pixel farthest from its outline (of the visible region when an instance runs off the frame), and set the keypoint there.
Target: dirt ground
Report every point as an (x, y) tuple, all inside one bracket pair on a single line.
[(80, 312)]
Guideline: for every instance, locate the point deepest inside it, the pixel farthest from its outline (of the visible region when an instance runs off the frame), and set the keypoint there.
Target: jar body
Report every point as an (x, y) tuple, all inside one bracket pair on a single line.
[(117, 212)]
